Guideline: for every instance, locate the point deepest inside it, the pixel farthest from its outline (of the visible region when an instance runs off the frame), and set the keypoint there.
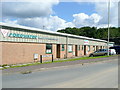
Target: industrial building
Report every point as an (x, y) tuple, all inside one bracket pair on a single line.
[(21, 44)]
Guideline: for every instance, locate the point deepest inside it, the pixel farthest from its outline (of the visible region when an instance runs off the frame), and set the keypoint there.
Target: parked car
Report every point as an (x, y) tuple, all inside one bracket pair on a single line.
[(112, 51), (117, 49), (102, 52)]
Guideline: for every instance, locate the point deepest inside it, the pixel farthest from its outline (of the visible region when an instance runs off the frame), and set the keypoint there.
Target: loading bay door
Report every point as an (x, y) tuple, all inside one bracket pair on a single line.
[(84, 49), (58, 51), (76, 50)]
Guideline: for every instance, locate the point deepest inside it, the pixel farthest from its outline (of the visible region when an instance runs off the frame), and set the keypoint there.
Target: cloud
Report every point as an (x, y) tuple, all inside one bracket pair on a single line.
[(53, 23), (33, 14), (102, 9), (28, 9), (39, 15), (100, 18), (83, 19), (10, 21), (119, 14), (92, 1)]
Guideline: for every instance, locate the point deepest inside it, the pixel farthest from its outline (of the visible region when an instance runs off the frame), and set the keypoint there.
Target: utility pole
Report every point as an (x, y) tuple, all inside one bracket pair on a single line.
[(108, 24), (43, 27), (66, 46)]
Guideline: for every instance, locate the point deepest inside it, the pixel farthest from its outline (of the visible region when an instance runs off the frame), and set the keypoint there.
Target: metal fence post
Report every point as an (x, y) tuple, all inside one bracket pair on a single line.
[(52, 57), (40, 58)]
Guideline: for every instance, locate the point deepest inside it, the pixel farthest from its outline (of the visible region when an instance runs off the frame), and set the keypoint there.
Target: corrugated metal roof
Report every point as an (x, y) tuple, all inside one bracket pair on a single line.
[(50, 32)]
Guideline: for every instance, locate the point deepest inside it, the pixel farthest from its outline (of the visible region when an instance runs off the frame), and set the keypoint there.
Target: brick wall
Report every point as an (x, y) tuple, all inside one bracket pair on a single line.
[(14, 53)]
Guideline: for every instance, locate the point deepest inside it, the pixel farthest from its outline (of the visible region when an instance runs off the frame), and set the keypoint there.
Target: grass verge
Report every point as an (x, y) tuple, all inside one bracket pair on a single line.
[(73, 59)]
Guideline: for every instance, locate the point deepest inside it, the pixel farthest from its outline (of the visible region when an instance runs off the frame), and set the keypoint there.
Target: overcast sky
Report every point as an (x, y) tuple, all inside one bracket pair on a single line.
[(55, 15)]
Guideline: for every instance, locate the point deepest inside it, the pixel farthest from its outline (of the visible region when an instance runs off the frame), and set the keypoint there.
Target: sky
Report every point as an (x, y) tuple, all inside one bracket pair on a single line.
[(65, 10), (55, 15)]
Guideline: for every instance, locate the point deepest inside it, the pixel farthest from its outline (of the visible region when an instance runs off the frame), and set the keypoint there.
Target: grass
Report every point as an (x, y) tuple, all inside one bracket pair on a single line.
[(82, 58), (73, 59)]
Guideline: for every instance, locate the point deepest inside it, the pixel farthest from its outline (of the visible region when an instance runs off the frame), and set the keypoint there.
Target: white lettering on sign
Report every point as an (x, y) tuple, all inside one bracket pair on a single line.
[(46, 55), (5, 32)]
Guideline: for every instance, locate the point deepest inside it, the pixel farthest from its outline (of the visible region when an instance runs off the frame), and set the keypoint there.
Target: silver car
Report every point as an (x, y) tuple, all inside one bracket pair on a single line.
[(101, 52)]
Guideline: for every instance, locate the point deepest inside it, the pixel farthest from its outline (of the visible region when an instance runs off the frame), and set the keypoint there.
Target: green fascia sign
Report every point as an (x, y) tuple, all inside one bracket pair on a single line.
[(22, 36), (28, 36)]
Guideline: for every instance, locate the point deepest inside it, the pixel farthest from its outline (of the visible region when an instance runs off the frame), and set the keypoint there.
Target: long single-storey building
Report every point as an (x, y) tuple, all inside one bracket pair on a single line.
[(20, 44)]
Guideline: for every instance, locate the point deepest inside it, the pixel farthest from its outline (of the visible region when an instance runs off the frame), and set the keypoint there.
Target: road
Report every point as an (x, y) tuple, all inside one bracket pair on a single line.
[(93, 75)]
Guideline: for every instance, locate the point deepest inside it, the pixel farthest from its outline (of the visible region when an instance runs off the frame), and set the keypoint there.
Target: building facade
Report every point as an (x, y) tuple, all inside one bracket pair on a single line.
[(19, 44)]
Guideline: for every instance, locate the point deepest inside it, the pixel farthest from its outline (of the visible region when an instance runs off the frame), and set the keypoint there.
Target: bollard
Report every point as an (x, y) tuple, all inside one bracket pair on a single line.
[(52, 57), (40, 58)]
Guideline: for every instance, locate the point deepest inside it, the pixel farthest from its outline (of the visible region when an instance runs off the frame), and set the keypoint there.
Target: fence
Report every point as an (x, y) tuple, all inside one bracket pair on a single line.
[(42, 56)]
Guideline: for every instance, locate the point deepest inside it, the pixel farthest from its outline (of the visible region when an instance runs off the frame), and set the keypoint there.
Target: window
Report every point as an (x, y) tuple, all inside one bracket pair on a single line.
[(103, 47), (82, 47), (88, 48), (79, 47), (63, 48), (48, 48), (93, 48), (70, 48)]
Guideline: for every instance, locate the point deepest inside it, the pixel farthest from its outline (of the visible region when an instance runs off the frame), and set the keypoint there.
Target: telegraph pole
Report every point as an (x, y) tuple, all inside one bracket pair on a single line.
[(43, 27), (108, 24)]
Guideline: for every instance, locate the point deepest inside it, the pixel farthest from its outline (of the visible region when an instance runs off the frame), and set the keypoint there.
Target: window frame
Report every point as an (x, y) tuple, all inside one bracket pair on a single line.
[(79, 48), (88, 48), (49, 49), (63, 47), (93, 48), (82, 47), (71, 48)]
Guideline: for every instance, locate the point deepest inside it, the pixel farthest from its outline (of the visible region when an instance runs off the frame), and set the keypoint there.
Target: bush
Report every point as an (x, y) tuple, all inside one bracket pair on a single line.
[(4, 65)]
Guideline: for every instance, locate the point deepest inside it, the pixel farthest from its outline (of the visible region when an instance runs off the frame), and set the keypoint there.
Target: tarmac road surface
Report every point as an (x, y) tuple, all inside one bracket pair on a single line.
[(93, 75)]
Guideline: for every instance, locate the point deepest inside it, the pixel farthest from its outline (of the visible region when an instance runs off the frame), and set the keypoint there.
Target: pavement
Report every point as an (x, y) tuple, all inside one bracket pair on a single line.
[(103, 74), (40, 67)]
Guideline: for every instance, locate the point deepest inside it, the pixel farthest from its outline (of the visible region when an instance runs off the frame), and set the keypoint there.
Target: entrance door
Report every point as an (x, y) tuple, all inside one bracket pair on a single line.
[(58, 51), (97, 48), (75, 50), (84, 49)]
